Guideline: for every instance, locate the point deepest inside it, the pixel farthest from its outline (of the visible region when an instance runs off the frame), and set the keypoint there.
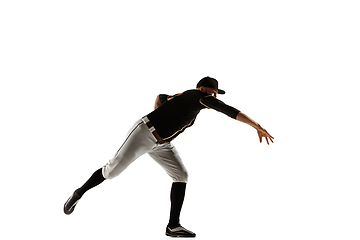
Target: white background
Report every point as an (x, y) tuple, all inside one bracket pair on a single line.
[(75, 75)]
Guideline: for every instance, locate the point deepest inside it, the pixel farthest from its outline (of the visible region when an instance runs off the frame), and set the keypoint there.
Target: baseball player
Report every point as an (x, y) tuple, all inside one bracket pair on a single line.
[(153, 134)]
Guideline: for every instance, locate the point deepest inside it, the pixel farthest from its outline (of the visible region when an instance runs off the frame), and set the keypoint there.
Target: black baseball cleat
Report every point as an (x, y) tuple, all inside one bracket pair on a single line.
[(179, 231), (70, 204)]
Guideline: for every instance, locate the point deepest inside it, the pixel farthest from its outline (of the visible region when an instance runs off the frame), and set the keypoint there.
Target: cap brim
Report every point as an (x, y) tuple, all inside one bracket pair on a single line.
[(221, 91)]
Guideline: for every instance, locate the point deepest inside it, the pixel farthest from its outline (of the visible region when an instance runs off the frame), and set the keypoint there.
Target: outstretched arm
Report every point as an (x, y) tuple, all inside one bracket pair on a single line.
[(260, 130), (210, 101)]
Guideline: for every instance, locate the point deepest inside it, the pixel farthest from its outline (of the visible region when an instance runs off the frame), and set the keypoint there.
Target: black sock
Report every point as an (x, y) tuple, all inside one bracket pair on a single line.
[(93, 181), (177, 196)]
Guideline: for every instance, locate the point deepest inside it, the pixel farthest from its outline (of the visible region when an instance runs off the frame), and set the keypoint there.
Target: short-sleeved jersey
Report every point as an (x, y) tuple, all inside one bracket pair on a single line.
[(179, 112)]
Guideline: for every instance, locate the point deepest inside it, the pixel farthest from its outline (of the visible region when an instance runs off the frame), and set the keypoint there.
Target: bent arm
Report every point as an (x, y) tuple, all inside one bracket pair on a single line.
[(160, 100), (157, 102)]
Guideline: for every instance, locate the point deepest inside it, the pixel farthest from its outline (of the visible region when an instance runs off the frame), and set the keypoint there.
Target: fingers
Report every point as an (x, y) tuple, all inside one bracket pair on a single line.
[(270, 138), (263, 133), (267, 137), (268, 134)]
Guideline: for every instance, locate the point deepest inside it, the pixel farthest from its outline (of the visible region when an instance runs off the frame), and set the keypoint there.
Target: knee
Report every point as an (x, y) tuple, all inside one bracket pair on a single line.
[(107, 173), (183, 177)]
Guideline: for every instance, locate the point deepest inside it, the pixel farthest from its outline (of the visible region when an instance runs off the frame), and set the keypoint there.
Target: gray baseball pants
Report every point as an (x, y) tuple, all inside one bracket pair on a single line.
[(139, 141)]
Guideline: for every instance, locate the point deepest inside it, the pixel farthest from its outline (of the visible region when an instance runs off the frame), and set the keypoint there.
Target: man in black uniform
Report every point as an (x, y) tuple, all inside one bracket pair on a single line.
[(153, 134)]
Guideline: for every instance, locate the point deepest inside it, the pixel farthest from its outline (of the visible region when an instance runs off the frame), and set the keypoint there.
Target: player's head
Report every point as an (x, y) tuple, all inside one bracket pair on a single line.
[(209, 91), (209, 82)]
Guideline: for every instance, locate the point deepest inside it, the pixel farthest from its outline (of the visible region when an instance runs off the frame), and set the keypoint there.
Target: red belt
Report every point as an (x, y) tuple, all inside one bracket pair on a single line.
[(155, 133)]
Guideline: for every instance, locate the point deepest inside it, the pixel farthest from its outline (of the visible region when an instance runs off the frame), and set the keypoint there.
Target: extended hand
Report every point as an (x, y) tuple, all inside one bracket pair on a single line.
[(263, 133)]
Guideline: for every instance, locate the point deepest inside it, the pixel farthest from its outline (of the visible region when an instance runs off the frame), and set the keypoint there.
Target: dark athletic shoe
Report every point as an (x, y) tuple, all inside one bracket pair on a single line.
[(179, 232), (70, 204)]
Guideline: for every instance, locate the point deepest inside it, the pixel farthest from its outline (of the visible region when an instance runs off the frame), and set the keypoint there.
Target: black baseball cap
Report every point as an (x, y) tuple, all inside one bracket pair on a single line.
[(211, 83)]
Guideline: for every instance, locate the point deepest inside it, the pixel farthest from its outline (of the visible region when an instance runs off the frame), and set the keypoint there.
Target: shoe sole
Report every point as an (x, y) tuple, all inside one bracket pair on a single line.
[(179, 236)]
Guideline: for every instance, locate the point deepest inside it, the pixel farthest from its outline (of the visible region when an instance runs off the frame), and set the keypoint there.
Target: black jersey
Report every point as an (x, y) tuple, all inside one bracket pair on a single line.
[(179, 112)]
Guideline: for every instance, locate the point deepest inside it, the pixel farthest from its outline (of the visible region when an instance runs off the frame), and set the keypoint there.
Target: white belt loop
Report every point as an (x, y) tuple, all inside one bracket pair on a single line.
[(145, 119)]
